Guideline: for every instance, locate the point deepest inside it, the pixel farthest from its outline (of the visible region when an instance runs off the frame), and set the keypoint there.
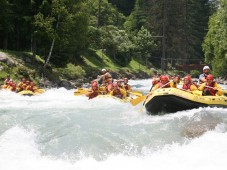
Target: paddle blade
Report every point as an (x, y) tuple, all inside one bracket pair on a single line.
[(39, 90), (136, 93), (80, 91), (137, 100)]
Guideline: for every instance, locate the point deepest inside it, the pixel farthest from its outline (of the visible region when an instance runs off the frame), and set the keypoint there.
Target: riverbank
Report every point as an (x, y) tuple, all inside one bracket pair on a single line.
[(22, 64)]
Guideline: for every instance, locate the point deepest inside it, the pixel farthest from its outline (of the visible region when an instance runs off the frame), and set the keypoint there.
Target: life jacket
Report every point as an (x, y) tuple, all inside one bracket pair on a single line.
[(30, 88), (161, 85), (107, 78), (126, 87), (93, 94), (187, 86), (155, 82), (210, 90), (117, 93), (21, 86), (195, 83), (13, 87)]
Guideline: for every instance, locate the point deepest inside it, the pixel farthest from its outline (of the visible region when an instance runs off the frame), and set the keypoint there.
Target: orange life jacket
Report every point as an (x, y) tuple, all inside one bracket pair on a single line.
[(211, 90), (117, 93)]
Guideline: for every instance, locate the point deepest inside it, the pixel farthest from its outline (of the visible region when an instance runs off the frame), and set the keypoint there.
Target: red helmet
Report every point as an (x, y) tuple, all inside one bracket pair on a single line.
[(188, 78), (210, 77), (164, 78)]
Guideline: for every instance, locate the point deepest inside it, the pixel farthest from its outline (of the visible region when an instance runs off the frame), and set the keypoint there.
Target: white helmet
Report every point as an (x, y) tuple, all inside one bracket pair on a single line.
[(103, 70), (206, 67)]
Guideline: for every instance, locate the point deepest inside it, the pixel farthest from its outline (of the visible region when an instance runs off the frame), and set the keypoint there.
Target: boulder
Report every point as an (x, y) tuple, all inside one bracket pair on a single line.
[(4, 59)]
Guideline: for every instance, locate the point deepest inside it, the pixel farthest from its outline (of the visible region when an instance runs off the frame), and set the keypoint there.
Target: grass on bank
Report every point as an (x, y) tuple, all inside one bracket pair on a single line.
[(99, 60), (94, 61)]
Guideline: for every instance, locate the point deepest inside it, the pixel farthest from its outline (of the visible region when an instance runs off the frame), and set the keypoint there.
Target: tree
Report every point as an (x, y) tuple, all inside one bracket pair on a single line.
[(215, 43), (104, 13), (137, 18), (117, 44), (6, 22), (125, 6), (144, 44), (183, 23)]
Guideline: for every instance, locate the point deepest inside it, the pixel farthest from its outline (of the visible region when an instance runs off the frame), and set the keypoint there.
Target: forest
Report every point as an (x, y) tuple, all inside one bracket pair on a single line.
[(161, 33)]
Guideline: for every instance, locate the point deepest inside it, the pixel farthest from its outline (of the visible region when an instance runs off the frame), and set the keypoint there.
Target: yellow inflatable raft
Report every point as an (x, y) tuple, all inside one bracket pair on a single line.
[(170, 100), (30, 93)]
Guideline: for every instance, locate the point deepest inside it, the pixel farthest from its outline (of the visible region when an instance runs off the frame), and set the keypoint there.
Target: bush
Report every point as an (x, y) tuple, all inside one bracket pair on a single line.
[(73, 72), (195, 73), (22, 72)]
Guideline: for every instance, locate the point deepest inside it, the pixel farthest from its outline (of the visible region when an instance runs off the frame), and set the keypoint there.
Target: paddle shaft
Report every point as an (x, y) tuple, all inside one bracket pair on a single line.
[(148, 95), (156, 89)]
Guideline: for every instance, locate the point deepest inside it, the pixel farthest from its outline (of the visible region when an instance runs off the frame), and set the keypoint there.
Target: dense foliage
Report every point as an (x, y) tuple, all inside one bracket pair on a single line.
[(215, 44), (61, 31)]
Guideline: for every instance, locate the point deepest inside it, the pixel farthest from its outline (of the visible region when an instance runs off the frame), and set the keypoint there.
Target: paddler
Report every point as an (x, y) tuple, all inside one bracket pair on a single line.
[(210, 88), (12, 86), (106, 80), (31, 86), (94, 90), (126, 86), (165, 83), (188, 84), (117, 92), (22, 85), (8, 79), (202, 77)]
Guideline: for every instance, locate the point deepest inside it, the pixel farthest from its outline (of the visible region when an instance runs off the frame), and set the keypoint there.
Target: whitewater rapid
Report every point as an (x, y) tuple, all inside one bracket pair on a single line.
[(57, 130)]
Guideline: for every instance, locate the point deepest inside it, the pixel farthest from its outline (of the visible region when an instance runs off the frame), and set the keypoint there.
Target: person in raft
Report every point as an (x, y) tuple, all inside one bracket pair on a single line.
[(22, 85), (118, 92), (165, 83), (155, 78), (210, 88), (188, 84), (31, 86), (126, 86), (94, 90), (107, 80), (8, 79), (202, 77)]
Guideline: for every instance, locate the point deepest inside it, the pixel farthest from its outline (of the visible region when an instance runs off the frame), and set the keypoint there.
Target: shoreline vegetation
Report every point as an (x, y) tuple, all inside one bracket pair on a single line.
[(21, 64), (67, 43)]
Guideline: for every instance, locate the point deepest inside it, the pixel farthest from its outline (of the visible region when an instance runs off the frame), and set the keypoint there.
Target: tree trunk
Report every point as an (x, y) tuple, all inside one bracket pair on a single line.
[(5, 42), (52, 45), (99, 13), (18, 38), (164, 37), (33, 47)]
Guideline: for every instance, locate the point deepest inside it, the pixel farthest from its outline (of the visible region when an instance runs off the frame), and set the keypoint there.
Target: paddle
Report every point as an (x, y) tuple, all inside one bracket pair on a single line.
[(80, 91), (138, 100), (135, 93), (39, 91)]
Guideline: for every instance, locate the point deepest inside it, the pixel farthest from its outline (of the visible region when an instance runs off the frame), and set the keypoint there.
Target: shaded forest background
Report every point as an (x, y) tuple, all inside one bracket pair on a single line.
[(160, 33)]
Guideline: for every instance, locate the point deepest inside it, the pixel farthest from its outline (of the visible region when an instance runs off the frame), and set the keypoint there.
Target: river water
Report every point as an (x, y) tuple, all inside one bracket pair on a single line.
[(60, 131)]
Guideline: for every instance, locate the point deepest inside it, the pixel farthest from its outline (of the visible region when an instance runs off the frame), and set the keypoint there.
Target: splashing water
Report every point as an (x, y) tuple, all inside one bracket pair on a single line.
[(57, 130)]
